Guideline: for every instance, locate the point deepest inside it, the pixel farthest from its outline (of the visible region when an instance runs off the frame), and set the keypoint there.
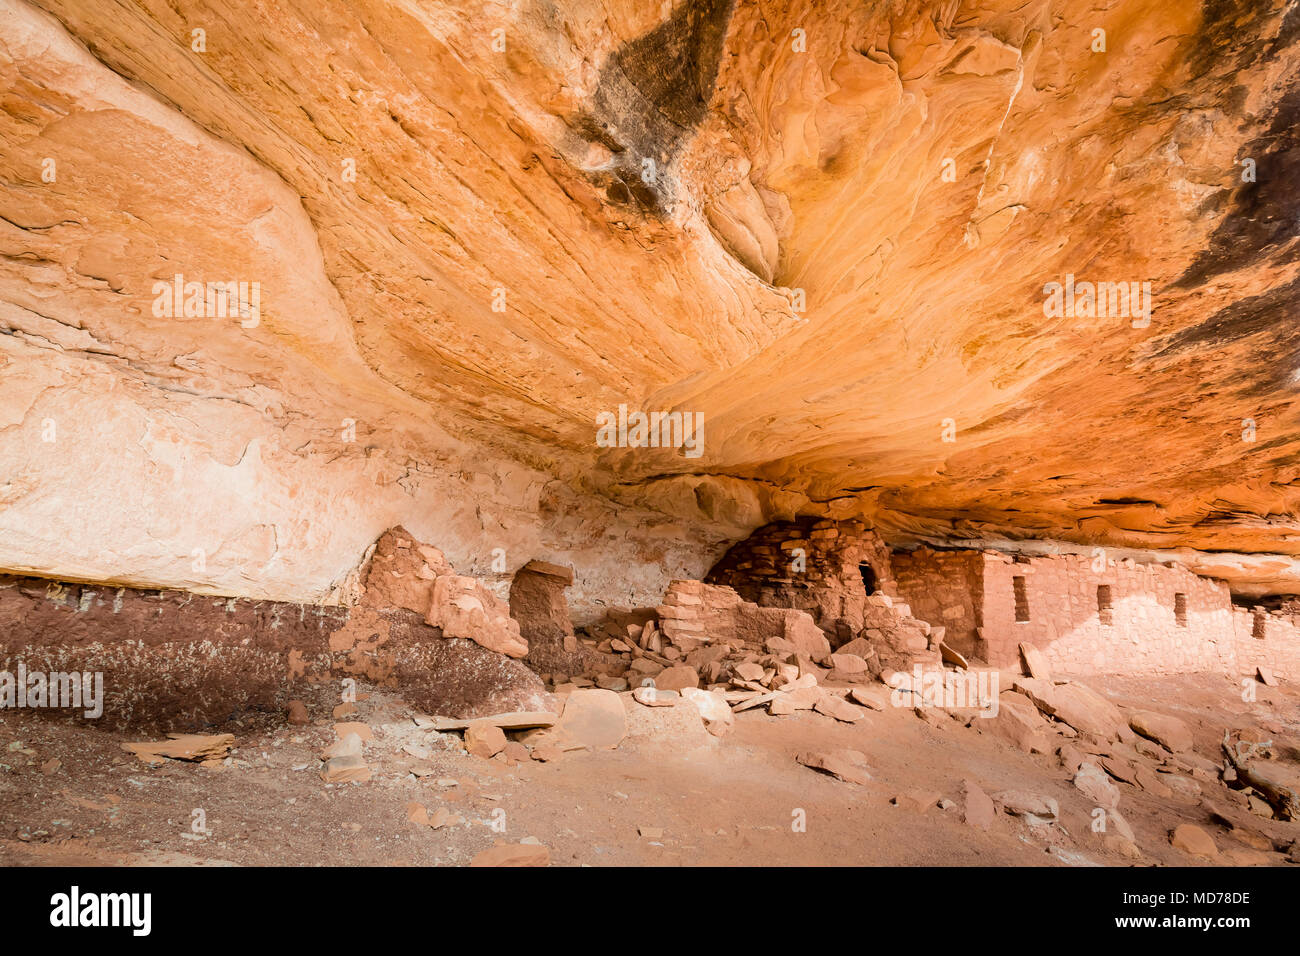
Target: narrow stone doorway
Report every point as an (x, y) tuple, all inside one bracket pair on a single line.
[(868, 577)]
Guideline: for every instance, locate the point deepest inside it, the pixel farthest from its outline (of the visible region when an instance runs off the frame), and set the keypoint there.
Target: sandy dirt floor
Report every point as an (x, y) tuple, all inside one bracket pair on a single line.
[(668, 795)]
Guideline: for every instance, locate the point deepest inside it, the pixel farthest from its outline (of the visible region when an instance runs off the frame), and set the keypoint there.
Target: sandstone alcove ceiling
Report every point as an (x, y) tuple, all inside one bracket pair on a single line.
[(824, 227)]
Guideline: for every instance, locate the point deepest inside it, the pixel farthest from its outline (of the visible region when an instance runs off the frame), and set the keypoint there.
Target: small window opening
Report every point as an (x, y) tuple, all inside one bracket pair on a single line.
[(1180, 609), (1022, 599), (1258, 630), (1105, 612)]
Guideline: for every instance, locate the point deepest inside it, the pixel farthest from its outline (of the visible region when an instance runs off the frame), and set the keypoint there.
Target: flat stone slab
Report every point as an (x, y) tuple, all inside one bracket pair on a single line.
[(517, 720), (559, 571), (193, 747), (757, 700)]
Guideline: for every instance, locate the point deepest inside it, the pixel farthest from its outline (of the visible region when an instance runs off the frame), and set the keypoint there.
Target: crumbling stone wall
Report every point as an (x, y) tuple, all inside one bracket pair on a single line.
[(898, 640), (538, 604), (694, 614), (810, 564), (1126, 617)]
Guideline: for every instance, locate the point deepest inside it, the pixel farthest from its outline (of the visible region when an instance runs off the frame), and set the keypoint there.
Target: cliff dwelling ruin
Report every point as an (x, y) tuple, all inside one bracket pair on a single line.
[(460, 433)]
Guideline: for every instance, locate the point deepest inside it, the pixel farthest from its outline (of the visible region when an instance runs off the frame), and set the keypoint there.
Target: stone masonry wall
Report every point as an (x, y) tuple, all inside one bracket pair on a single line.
[(809, 564), (945, 589), (1144, 636), (1278, 650)]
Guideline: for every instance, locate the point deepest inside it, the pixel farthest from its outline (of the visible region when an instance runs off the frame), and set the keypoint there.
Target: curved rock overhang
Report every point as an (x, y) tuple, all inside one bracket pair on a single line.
[(460, 234)]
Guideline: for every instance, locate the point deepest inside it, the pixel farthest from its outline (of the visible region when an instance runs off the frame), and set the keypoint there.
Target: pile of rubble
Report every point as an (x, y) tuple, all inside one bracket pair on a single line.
[(701, 636), (706, 643)]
